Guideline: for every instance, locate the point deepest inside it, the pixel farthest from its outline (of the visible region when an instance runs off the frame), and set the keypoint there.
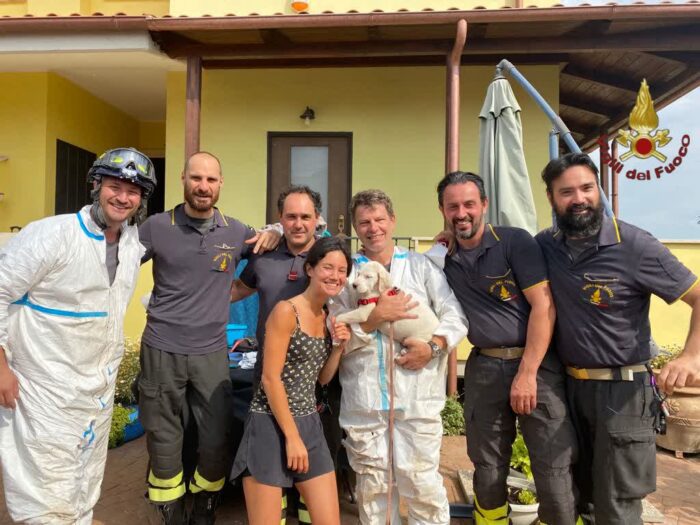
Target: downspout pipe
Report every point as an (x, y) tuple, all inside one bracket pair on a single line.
[(505, 66), (454, 60)]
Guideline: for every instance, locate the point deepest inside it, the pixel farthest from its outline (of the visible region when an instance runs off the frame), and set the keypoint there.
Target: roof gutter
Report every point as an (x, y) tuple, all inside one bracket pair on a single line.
[(206, 23)]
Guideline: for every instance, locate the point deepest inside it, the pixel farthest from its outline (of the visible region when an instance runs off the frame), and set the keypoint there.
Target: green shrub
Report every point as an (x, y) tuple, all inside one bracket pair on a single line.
[(120, 419), (520, 458), (128, 370), (452, 417)]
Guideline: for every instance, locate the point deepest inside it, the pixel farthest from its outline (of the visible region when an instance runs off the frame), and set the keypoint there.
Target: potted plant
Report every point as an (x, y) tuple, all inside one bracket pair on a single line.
[(683, 423), (522, 493), (452, 417), (125, 423)]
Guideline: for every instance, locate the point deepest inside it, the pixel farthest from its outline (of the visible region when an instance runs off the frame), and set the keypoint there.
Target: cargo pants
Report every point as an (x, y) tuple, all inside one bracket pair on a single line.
[(168, 382), (614, 421), (548, 433)]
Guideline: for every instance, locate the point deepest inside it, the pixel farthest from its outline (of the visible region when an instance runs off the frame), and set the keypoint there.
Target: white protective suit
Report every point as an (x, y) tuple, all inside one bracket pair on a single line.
[(419, 398), (63, 338)]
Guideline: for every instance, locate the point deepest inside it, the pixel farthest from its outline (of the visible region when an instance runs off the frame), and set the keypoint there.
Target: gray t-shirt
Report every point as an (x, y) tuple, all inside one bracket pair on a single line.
[(112, 260), (192, 277), (203, 225)]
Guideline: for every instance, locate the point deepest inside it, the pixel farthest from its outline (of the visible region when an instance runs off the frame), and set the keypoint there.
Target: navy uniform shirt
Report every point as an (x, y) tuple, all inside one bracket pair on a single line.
[(269, 273), (602, 298), (192, 276), (490, 289)]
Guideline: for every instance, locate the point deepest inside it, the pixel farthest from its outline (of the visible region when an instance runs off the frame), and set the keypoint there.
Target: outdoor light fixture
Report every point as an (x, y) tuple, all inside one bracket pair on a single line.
[(300, 5), (308, 115)]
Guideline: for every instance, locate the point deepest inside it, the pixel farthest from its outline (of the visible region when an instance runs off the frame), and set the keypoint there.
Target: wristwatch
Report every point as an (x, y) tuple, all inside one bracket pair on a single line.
[(435, 349)]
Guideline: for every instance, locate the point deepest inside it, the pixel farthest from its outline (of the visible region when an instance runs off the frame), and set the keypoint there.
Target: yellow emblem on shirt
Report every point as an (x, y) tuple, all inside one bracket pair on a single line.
[(222, 261)]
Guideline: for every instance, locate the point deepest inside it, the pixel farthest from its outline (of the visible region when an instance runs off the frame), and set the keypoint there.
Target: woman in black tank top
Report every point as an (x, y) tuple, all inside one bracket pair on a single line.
[(283, 442)]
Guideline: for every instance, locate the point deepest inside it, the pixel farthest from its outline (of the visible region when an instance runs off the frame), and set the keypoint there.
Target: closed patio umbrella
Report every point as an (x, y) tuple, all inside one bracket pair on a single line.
[(502, 160)]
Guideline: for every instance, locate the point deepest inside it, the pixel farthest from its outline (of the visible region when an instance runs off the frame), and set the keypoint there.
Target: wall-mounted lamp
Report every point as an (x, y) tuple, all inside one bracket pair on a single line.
[(308, 115), (300, 5)]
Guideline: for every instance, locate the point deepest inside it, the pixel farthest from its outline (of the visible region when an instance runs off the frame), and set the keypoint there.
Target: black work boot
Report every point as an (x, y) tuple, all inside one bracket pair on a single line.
[(204, 508), (172, 513)]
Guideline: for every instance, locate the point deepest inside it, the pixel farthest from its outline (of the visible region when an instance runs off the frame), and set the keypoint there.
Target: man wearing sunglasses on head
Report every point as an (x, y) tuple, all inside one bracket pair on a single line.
[(65, 282)]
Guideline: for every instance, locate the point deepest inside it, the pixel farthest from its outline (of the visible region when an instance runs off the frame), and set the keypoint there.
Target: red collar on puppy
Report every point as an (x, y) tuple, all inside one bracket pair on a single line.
[(371, 300)]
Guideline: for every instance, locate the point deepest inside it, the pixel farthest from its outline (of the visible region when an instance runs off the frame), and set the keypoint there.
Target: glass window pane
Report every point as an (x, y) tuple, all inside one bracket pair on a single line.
[(310, 167)]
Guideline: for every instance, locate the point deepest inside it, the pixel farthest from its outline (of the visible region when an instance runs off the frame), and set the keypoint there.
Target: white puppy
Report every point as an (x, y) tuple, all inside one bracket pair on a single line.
[(370, 282)]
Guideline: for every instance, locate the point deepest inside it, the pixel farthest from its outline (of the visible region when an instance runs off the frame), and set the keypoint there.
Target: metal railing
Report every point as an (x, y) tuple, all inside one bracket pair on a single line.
[(406, 242)]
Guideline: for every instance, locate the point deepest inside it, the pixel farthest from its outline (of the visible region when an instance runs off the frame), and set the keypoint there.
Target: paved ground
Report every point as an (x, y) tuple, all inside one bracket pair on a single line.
[(122, 491)]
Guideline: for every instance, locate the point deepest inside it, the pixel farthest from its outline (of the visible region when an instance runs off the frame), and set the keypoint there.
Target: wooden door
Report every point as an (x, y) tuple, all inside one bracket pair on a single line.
[(321, 161)]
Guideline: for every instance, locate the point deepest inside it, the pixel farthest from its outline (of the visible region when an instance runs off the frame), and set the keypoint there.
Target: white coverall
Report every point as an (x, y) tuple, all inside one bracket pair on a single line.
[(63, 339), (419, 398)]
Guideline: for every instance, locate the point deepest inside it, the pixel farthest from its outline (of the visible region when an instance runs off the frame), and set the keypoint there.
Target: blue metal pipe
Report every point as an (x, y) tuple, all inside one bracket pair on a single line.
[(553, 144), (505, 66)]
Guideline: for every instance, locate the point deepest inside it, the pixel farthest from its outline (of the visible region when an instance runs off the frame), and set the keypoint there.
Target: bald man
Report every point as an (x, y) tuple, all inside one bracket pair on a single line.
[(184, 364)]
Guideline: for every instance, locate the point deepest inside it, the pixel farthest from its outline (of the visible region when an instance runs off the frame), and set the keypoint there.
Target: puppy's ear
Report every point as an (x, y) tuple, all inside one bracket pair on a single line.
[(384, 278)]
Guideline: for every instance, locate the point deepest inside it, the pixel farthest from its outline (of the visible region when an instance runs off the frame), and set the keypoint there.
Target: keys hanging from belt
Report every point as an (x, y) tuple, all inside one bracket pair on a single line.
[(661, 410)]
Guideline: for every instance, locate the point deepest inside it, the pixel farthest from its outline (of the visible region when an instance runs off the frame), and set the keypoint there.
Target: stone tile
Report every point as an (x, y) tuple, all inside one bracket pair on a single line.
[(678, 482)]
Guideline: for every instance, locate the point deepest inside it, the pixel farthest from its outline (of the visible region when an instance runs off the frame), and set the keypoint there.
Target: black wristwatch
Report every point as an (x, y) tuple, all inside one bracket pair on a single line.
[(435, 349)]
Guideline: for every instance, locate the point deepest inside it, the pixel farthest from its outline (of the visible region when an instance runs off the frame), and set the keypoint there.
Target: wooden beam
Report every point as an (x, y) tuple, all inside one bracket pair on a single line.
[(681, 38), (675, 39), (193, 104), (388, 61), (274, 37), (374, 34), (592, 106), (601, 78), (590, 27), (315, 50)]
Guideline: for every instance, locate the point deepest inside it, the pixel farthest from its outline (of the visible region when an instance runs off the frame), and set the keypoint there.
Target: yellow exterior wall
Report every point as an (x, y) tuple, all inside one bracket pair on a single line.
[(23, 103), (669, 324), (396, 115), (270, 7), (152, 138), (224, 7), (83, 7), (131, 7), (81, 119)]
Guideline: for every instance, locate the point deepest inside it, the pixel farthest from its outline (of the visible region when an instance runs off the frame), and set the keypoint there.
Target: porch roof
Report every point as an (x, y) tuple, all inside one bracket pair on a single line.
[(603, 52)]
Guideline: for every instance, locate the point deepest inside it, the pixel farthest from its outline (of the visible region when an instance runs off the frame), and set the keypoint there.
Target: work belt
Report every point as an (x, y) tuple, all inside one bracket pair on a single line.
[(620, 373), (503, 352)]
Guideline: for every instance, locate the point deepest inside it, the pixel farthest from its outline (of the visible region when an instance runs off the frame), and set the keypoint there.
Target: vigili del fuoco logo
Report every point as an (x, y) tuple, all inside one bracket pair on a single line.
[(644, 141)]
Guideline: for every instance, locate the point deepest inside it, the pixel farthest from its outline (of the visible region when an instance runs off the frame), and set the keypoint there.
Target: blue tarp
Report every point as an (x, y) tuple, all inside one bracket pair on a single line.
[(245, 311)]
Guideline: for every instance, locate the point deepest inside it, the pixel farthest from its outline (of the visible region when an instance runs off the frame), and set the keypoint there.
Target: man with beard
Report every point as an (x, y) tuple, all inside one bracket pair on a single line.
[(602, 273), (500, 278), (65, 283), (184, 362)]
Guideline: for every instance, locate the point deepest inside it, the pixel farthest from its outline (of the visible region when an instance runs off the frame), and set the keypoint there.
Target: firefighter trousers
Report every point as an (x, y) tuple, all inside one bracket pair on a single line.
[(168, 382), (548, 432)]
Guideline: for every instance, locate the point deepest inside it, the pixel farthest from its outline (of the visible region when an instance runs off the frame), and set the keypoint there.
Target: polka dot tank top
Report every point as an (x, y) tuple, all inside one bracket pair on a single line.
[(306, 356)]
